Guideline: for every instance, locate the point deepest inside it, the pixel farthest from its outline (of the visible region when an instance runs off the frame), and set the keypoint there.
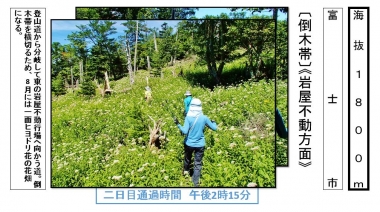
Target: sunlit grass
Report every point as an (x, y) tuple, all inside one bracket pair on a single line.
[(102, 142)]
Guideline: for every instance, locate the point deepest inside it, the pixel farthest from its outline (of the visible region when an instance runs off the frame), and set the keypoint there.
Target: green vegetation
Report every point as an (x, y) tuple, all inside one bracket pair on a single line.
[(99, 139), (103, 140)]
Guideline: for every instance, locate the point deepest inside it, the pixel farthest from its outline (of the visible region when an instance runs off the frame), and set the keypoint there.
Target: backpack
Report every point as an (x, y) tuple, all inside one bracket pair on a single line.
[(184, 111)]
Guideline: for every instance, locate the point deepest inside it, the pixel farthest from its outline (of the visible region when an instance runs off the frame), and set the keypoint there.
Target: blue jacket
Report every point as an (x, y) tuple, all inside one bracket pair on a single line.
[(280, 126), (196, 137), (186, 102)]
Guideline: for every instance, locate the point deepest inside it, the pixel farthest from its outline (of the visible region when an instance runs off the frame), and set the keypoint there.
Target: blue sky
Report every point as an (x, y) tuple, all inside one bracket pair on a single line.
[(62, 28)]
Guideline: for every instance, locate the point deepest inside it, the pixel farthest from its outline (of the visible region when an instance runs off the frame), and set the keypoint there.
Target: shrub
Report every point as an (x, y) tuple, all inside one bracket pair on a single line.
[(87, 88), (58, 86)]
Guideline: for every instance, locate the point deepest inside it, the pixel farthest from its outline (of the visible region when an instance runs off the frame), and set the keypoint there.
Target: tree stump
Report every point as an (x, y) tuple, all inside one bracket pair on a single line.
[(156, 137), (107, 88)]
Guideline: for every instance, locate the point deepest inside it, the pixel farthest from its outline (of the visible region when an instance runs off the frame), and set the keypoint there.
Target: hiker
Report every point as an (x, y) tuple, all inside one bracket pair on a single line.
[(195, 122), (187, 101), (148, 94), (280, 126)]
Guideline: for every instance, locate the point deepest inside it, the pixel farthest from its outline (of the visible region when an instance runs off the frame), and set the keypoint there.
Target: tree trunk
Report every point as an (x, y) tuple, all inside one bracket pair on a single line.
[(137, 36), (155, 41), (246, 70), (223, 55), (220, 69), (212, 63), (106, 83), (173, 13), (147, 59), (250, 62), (129, 63), (84, 64), (192, 40), (80, 71), (176, 45), (72, 79), (261, 68), (107, 87)]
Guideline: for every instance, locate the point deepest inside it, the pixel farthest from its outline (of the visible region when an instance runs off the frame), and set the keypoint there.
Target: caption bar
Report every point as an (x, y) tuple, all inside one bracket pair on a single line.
[(177, 196)]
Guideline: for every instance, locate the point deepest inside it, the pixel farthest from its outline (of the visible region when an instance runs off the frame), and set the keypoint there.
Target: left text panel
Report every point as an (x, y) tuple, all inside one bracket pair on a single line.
[(28, 98)]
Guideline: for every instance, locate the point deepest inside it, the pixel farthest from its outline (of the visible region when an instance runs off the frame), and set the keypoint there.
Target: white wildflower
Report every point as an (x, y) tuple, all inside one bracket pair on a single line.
[(255, 148), (232, 145), (249, 144), (116, 177)]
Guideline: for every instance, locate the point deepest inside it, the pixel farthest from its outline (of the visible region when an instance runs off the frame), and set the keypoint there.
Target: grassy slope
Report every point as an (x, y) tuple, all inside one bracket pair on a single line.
[(99, 138)]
